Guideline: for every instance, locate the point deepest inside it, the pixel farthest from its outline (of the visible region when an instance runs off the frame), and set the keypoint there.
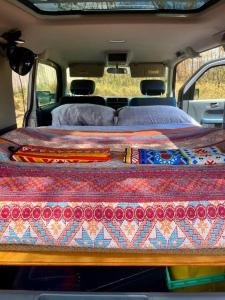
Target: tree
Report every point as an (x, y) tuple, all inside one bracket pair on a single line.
[(176, 4), (115, 4)]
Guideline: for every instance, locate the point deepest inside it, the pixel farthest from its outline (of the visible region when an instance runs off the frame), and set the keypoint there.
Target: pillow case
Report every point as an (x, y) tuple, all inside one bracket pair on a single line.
[(155, 114), (83, 115)]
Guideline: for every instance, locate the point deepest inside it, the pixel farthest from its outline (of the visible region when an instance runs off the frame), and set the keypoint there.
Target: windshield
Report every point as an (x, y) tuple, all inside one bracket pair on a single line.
[(119, 85)]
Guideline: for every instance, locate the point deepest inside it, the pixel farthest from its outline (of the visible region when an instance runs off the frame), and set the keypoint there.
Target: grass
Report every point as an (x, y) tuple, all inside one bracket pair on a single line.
[(119, 85), (19, 107), (206, 90)]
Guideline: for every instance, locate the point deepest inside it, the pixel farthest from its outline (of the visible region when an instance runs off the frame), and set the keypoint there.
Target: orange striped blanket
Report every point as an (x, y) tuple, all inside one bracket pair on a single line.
[(37, 154)]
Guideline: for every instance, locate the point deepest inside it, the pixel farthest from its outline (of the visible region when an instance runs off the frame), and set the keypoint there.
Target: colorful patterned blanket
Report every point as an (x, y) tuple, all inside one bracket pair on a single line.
[(184, 156), (112, 205), (38, 154)]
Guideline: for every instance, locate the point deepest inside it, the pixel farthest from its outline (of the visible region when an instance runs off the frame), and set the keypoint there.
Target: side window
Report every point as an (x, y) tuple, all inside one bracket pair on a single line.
[(20, 88), (46, 84), (211, 85), (188, 67)]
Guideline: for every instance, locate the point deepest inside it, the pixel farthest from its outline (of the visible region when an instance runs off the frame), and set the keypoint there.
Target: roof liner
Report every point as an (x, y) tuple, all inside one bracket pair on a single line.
[(148, 38)]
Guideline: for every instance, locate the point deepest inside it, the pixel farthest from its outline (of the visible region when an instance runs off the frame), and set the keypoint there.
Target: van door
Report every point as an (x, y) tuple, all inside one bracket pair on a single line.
[(203, 95)]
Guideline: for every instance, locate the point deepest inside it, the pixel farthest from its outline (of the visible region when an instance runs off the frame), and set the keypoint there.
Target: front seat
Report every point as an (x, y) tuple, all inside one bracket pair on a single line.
[(152, 88), (82, 91)]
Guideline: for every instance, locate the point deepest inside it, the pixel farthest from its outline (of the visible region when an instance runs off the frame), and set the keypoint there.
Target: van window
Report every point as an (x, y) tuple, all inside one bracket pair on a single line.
[(118, 85), (20, 88), (188, 67), (211, 85), (46, 84)]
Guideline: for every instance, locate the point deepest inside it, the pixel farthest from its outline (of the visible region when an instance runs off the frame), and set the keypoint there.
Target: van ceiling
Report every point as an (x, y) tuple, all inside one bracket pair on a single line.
[(86, 38)]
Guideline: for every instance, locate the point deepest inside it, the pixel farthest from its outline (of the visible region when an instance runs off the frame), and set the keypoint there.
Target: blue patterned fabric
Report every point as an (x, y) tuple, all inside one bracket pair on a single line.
[(166, 157), (183, 156)]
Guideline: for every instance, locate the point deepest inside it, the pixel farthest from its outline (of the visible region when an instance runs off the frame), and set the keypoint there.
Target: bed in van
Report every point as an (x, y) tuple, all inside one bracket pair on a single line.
[(112, 166)]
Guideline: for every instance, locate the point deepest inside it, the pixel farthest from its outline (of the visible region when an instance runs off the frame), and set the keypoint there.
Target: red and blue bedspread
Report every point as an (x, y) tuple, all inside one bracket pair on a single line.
[(112, 205)]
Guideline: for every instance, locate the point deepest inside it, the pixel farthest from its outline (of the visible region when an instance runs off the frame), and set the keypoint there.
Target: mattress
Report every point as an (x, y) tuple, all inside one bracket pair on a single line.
[(112, 205), (125, 128)]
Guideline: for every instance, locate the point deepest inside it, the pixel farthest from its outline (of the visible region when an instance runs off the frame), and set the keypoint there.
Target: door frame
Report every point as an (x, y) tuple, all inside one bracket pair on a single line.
[(189, 83), (32, 101)]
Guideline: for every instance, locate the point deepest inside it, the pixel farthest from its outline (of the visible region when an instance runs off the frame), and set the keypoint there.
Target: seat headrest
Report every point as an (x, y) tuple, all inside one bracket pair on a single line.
[(82, 87), (152, 87)]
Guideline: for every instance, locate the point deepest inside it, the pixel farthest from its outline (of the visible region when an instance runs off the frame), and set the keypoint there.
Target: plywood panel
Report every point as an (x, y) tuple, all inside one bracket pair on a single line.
[(106, 259)]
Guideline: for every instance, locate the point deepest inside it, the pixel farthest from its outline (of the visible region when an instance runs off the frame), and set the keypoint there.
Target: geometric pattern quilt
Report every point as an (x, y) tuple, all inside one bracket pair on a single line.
[(112, 205), (198, 156)]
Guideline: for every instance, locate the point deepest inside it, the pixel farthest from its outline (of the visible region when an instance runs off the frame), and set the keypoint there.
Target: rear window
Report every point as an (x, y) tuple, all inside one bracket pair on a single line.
[(119, 85)]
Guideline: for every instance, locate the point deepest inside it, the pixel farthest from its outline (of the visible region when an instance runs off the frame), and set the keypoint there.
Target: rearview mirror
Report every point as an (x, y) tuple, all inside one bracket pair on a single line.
[(21, 60), (117, 70)]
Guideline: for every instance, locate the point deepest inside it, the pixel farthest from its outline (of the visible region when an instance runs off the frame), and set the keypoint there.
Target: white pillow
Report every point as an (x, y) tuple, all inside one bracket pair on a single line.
[(155, 114), (83, 115)]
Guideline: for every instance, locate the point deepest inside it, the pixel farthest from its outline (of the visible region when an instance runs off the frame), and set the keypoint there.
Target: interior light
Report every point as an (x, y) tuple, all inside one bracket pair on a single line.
[(117, 41), (20, 42)]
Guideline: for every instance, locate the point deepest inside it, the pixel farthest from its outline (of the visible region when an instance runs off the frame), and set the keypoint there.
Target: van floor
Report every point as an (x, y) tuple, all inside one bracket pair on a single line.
[(84, 279)]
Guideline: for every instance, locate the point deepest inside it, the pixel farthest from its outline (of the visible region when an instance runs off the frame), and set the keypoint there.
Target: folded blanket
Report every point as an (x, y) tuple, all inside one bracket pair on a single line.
[(184, 156), (36, 154)]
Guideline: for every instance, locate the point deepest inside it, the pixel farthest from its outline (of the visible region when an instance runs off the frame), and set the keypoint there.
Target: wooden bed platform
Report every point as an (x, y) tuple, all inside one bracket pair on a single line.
[(25, 258)]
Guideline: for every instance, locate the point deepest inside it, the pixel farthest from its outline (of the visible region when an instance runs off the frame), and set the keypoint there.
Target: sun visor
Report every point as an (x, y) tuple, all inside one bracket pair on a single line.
[(141, 70), (87, 70)]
